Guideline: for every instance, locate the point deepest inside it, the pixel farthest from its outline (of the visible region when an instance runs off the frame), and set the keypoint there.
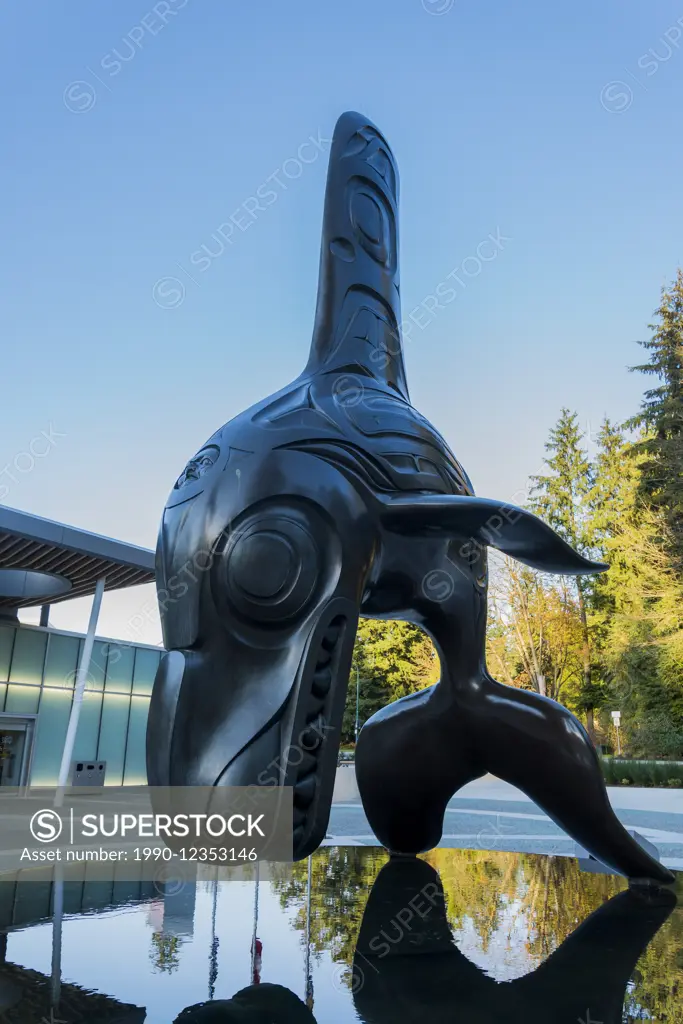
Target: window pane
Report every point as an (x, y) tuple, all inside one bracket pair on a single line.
[(73, 900), (136, 769), (127, 891), (6, 641), (28, 656), (119, 677), (96, 895), (98, 665), (146, 664), (22, 700), (85, 747), (8, 892), (60, 662), (113, 728), (33, 902), (53, 718)]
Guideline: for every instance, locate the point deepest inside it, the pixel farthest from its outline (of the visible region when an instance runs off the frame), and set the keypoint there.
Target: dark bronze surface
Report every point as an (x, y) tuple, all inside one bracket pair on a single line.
[(256, 1004), (334, 498)]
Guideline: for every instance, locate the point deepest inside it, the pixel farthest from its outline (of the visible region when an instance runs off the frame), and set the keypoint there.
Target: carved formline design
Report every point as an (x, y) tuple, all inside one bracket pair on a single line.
[(359, 260)]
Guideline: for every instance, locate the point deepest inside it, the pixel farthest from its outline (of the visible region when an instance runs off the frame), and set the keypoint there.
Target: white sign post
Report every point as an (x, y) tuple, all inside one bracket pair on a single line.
[(616, 718)]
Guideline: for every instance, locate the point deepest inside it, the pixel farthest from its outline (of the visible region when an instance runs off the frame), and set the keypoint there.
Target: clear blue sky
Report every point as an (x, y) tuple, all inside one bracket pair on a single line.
[(132, 130)]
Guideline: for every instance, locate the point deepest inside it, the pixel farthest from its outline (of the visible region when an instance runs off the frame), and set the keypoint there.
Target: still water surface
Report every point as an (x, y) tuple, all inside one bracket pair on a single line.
[(458, 936)]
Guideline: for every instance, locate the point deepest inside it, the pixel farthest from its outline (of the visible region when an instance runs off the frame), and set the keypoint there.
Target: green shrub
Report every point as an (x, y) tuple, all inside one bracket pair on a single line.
[(641, 773), (607, 770), (655, 736), (625, 772), (661, 772)]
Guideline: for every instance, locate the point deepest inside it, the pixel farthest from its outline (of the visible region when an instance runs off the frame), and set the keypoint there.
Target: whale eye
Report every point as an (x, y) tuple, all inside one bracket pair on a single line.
[(198, 465), (269, 568)]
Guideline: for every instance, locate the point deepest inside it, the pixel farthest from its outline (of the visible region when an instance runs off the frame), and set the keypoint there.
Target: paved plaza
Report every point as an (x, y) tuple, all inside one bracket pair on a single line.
[(491, 815)]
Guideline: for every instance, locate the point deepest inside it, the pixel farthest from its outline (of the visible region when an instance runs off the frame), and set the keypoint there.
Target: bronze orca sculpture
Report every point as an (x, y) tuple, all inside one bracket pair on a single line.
[(334, 498)]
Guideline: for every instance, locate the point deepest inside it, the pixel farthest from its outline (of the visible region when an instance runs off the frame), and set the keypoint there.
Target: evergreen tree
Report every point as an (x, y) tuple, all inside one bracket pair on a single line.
[(611, 503), (622, 641), (644, 635), (636, 607), (615, 482), (661, 414), (390, 660), (559, 497)]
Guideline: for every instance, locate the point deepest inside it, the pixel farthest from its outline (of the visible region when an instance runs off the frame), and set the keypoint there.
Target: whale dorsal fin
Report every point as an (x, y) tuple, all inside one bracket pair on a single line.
[(357, 319)]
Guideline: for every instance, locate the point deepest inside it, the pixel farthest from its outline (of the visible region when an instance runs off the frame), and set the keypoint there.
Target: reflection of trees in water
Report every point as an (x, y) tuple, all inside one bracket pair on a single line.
[(558, 896), (548, 897), (341, 879), (658, 977), (477, 886), (165, 952)]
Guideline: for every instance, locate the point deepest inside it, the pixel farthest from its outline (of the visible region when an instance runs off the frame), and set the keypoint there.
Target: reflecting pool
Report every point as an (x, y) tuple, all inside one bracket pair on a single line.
[(459, 935)]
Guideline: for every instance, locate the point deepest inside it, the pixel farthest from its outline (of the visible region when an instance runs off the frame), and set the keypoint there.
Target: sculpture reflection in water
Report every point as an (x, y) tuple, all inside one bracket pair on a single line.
[(406, 973), (335, 498), (256, 1004), (407, 968)]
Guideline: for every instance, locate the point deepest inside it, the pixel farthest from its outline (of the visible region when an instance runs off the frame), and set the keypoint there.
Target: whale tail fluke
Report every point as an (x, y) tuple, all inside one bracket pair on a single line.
[(522, 738)]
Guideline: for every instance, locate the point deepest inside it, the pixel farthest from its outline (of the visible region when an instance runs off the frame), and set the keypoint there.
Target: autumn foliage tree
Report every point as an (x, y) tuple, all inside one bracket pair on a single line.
[(559, 496), (535, 633)]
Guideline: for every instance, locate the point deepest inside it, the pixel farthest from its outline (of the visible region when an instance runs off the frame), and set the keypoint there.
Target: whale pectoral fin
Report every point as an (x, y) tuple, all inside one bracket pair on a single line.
[(485, 521)]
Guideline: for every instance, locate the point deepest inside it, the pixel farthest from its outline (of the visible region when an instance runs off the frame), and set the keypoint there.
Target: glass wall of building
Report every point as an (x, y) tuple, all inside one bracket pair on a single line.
[(37, 676)]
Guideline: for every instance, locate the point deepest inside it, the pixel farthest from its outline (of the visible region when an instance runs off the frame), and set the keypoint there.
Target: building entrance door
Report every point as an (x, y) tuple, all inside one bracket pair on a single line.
[(16, 744)]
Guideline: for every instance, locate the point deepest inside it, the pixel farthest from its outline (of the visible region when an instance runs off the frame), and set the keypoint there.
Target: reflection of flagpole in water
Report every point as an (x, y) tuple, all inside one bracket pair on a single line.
[(309, 977), (256, 944), (213, 955), (57, 916), (63, 778)]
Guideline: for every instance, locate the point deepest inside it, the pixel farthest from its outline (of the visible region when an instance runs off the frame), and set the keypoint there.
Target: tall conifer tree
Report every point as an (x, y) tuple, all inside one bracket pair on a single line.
[(559, 496), (661, 415)]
